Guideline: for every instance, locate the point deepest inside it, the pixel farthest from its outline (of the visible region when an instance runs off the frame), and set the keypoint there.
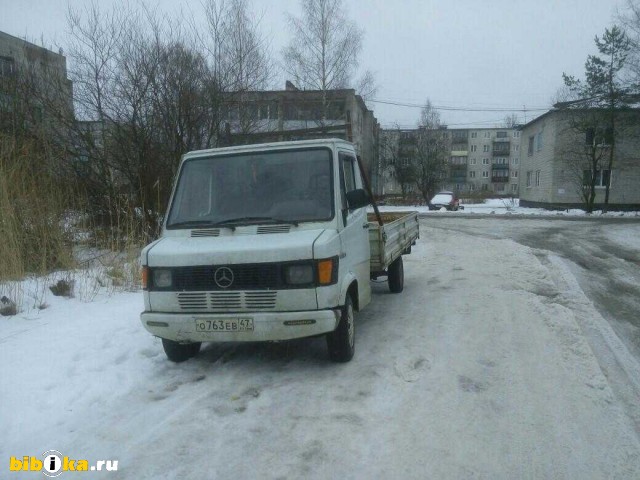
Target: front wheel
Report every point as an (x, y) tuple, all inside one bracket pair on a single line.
[(395, 276), (179, 352), (341, 342)]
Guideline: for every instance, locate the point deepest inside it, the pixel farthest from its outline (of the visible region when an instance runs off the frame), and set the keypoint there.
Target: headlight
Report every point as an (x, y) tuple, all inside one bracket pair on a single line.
[(162, 278), (298, 274)]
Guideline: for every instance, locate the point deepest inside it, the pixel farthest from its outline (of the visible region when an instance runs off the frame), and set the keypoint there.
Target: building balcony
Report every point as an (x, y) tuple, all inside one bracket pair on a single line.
[(499, 166), (501, 152), (499, 179)]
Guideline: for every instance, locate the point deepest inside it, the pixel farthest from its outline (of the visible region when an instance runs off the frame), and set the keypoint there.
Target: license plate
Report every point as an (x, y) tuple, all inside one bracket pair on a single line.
[(225, 325)]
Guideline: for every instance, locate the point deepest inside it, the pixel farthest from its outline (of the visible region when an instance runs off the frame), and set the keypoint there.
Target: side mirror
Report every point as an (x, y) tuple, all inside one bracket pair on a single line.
[(357, 199)]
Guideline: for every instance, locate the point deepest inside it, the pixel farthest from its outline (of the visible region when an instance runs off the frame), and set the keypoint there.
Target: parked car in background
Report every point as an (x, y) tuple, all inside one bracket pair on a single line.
[(447, 200)]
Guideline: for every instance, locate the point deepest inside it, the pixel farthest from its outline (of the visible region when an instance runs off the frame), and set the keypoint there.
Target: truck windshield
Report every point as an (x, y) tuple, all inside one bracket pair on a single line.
[(252, 188)]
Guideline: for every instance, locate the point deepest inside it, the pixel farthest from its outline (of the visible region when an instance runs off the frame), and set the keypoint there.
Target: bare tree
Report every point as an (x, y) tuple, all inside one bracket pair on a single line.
[(629, 18), (397, 150), (242, 60), (511, 121), (324, 49), (584, 152), (604, 87), (431, 153), (146, 94)]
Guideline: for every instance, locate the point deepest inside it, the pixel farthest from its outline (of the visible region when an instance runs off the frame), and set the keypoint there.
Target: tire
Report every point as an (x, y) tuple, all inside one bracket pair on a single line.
[(179, 352), (395, 276), (341, 342)]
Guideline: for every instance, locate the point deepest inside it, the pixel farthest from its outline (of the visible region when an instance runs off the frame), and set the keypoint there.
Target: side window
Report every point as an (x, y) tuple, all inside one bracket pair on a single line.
[(349, 173), (347, 176)]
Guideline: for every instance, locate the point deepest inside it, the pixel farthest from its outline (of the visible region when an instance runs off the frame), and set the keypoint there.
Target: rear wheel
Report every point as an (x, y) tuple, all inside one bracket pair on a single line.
[(395, 276), (341, 342), (179, 352)]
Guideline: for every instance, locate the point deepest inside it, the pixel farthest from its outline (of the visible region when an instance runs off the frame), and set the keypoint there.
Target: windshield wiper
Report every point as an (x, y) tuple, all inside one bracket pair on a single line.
[(195, 223), (254, 220)]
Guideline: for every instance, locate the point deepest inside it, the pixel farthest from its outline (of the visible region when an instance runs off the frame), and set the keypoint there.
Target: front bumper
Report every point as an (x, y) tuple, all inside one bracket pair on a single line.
[(267, 326)]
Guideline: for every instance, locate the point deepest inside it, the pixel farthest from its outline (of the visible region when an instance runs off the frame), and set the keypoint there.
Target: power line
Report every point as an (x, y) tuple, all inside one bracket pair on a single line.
[(414, 126), (460, 109)]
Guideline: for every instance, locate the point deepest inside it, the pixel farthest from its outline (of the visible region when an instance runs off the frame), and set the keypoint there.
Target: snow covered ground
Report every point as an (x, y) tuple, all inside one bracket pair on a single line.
[(506, 206), (484, 367)]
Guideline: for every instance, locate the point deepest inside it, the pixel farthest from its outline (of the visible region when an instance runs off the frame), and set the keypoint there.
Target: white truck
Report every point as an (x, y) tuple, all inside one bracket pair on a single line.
[(269, 242)]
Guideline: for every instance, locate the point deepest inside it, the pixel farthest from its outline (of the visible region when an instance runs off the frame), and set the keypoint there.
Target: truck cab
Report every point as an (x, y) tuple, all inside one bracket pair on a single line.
[(261, 243)]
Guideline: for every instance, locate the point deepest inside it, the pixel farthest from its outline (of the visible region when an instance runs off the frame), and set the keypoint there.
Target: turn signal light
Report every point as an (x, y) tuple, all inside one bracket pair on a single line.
[(145, 277), (325, 271)]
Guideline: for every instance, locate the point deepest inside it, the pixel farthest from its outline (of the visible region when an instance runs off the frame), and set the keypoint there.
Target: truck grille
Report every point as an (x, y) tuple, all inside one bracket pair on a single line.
[(245, 277), (226, 301)]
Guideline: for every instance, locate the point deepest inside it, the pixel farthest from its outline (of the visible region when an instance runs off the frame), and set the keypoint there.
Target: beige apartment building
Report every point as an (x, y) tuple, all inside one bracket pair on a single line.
[(554, 161)]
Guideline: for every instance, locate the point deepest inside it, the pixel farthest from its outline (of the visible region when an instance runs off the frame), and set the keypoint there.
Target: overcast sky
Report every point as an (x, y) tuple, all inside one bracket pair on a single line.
[(467, 54)]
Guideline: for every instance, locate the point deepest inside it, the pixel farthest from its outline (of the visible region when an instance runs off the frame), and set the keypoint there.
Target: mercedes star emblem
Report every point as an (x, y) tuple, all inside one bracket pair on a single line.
[(223, 277)]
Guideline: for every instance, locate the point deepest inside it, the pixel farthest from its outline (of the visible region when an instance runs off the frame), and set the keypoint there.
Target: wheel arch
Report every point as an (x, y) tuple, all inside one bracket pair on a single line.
[(350, 287)]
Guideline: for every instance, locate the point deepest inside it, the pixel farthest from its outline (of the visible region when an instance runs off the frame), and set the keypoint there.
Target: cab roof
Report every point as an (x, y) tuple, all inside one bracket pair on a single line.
[(320, 142)]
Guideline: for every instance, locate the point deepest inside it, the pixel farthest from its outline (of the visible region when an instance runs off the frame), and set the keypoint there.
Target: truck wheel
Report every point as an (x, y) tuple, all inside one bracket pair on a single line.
[(179, 352), (395, 276), (341, 342)]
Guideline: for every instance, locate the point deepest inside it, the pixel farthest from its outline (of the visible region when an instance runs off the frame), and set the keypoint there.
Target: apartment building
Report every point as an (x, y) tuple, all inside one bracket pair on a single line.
[(33, 81), (479, 159), (555, 162), (484, 159)]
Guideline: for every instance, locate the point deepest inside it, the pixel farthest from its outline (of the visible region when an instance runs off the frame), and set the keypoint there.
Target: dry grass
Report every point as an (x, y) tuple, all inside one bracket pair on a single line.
[(41, 233), (33, 203)]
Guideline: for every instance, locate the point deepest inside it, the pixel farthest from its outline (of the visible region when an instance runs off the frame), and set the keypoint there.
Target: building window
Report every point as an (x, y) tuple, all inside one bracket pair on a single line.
[(485, 187), (7, 66), (516, 148), (514, 173), (530, 150), (514, 187), (459, 186), (514, 161), (458, 160), (603, 177), (472, 161), (487, 134), (501, 161), (474, 134), (485, 148), (501, 135), (472, 174), (516, 134), (600, 137), (472, 187), (485, 161), (529, 175), (474, 148), (539, 141), (537, 178), (485, 174)]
